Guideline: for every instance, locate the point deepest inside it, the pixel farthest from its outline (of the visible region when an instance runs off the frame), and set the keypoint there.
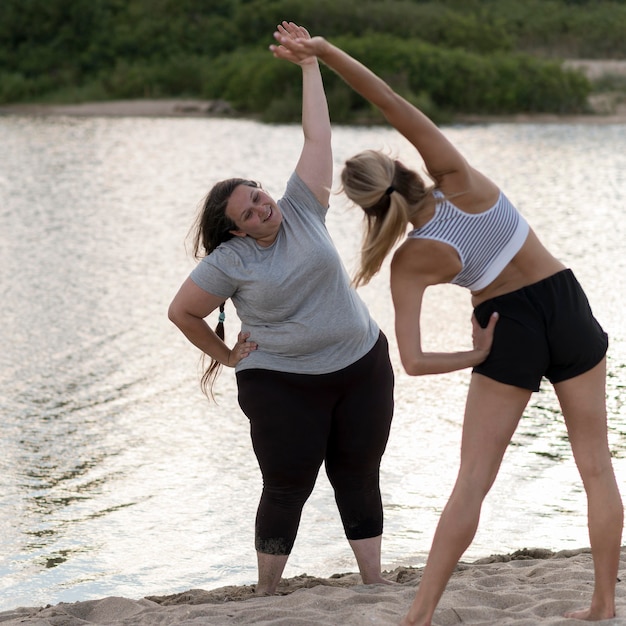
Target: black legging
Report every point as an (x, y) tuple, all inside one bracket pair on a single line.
[(299, 420)]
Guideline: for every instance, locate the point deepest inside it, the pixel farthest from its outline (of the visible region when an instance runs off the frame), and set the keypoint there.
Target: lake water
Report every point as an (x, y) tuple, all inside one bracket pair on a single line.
[(117, 477)]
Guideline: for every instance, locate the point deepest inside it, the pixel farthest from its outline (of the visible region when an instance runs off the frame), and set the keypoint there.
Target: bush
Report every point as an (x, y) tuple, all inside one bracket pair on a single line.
[(457, 81), (14, 87), (452, 55)]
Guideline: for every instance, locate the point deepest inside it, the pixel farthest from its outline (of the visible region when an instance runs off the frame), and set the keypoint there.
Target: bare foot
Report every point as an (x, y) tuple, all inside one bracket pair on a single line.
[(259, 591), (406, 622), (379, 580), (590, 614), (413, 618)]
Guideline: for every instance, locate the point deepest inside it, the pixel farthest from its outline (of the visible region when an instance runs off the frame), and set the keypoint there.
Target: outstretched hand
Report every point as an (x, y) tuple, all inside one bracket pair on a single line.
[(295, 44), (483, 337)]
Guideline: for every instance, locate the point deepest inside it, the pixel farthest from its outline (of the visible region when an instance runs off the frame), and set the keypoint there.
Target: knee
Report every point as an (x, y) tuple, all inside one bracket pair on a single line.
[(594, 469), (475, 481), (287, 495), (353, 480)]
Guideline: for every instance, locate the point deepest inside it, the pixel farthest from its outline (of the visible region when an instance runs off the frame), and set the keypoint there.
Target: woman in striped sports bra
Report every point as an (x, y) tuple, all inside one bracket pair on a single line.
[(531, 320)]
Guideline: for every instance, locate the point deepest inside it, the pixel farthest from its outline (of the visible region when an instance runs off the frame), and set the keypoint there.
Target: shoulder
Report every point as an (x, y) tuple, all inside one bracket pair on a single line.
[(472, 192), (299, 195), (228, 254), (297, 187), (426, 261)]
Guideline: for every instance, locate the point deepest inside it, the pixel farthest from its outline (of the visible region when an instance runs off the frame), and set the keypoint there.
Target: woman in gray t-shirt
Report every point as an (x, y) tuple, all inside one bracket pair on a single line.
[(312, 367)]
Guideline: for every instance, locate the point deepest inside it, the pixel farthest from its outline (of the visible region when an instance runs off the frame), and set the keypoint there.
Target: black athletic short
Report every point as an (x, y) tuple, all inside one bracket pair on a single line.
[(545, 329)]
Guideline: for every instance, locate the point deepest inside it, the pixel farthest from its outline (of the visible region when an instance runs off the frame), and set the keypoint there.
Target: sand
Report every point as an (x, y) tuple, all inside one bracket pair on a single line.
[(526, 588), (127, 108)]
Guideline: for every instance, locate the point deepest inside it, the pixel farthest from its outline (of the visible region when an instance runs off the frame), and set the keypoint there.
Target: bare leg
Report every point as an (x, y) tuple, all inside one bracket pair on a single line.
[(367, 553), (583, 403), (492, 413), (271, 567)]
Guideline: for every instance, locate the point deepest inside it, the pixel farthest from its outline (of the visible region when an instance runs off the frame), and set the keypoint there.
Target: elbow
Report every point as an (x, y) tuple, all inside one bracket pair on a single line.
[(184, 319), (175, 314), (414, 367), (417, 364)]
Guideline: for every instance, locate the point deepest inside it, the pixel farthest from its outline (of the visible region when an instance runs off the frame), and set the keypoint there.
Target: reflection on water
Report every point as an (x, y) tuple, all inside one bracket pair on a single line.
[(117, 477)]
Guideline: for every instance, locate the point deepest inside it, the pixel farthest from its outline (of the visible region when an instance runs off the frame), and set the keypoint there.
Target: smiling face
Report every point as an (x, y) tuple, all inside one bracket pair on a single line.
[(255, 214)]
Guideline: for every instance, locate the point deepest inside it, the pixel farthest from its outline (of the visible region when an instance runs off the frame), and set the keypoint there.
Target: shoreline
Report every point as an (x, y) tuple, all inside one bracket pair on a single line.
[(527, 588), (149, 107), (608, 107), (217, 109)]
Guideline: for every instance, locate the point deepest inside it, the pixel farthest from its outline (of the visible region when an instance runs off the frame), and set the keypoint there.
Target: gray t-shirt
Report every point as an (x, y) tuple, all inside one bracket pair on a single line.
[(294, 296)]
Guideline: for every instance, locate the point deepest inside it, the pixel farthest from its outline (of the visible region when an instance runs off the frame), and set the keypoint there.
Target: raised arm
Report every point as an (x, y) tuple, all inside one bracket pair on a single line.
[(440, 156), (315, 165)]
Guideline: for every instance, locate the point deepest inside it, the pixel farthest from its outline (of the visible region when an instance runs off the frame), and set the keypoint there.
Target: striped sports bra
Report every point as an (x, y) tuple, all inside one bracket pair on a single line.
[(486, 241)]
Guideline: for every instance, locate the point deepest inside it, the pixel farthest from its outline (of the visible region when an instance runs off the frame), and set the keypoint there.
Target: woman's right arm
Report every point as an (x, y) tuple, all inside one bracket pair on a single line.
[(315, 165), (187, 311), (411, 275), (439, 154)]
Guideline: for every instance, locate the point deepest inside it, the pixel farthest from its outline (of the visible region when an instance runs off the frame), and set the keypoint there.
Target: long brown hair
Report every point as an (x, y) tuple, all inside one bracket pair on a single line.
[(388, 192), (211, 228)]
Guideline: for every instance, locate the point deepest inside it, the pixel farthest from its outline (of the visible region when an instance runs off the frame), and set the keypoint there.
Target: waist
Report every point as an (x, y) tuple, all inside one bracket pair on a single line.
[(511, 279), (530, 265), (312, 353)]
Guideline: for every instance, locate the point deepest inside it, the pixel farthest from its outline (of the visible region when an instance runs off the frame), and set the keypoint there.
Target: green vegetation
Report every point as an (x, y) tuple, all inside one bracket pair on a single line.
[(450, 56)]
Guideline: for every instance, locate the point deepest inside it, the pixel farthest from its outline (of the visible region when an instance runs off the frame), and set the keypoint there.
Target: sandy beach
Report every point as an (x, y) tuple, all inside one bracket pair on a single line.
[(127, 108), (526, 588)]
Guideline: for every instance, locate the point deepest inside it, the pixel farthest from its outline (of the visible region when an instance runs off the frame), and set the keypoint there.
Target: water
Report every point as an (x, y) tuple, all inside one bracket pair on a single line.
[(116, 475)]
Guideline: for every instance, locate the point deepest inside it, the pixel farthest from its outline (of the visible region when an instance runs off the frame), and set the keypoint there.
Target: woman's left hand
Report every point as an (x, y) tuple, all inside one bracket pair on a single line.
[(241, 349), (288, 31), (482, 338)]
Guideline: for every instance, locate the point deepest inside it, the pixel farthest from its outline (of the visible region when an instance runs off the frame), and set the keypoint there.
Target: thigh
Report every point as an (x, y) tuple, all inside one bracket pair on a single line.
[(492, 413), (577, 341), (362, 416), (520, 353), (583, 402), (289, 421)]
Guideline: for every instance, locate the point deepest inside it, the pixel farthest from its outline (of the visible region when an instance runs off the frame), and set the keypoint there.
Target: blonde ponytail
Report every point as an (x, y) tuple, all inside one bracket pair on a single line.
[(381, 234), (387, 192)]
